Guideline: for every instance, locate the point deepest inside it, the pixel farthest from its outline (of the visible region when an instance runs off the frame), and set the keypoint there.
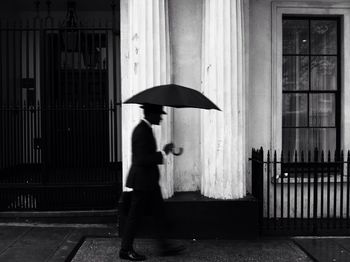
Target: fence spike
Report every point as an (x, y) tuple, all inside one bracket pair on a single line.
[(37, 5), (335, 156), (316, 154), (261, 154), (302, 156)]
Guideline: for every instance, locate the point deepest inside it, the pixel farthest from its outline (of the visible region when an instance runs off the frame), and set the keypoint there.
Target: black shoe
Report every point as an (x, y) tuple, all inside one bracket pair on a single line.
[(172, 250), (131, 255)]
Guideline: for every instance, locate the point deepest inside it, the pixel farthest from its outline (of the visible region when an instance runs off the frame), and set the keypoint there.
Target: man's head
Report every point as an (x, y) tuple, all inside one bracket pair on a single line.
[(153, 113)]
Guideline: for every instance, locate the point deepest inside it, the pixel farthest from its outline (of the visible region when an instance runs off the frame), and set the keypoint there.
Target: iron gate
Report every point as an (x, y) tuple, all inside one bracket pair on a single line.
[(302, 193), (59, 115)]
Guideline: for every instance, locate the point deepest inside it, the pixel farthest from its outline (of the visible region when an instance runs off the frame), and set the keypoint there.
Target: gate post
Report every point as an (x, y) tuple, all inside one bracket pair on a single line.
[(258, 182)]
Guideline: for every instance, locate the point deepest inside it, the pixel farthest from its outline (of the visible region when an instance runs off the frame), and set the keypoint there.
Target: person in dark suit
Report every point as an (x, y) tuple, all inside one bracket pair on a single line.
[(143, 178)]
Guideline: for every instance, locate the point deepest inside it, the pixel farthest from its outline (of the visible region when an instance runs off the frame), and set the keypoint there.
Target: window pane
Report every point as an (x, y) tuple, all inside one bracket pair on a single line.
[(323, 73), (322, 110), (322, 139), (295, 139), (323, 37), (295, 36), (294, 110), (295, 73), (304, 139)]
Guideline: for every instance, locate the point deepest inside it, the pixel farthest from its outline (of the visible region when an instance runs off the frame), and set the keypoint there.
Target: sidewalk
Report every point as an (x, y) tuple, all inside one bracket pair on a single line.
[(269, 250), (100, 243), (21, 242)]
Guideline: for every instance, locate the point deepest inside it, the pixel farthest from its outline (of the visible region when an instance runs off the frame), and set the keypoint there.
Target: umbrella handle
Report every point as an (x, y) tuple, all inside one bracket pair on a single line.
[(177, 151)]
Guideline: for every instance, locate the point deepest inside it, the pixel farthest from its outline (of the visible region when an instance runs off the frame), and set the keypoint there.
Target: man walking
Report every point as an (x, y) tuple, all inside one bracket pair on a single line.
[(143, 178)]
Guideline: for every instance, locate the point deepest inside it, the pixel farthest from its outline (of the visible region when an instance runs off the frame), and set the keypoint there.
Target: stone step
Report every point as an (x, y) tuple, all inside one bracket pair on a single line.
[(192, 215)]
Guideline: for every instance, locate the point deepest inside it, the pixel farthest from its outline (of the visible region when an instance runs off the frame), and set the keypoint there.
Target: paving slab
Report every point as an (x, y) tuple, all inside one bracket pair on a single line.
[(36, 245), (9, 235), (325, 249), (46, 242), (73, 241), (344, 242), (273, 250)]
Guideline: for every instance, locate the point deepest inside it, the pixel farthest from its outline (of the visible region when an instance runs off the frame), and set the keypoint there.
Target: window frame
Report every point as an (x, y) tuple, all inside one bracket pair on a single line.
[(323, 8), (309, 91)]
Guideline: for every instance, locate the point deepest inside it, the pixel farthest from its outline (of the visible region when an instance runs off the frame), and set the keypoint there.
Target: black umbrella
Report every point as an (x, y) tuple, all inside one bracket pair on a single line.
[(174, 96)]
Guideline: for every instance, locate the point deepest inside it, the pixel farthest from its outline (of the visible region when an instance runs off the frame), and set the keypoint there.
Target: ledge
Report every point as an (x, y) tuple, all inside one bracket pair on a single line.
[(81, 217), (197, 196), (89, 213)]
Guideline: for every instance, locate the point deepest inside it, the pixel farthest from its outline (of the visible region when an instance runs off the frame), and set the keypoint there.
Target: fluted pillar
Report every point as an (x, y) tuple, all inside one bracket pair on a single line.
[(223, 133), (145, 63)]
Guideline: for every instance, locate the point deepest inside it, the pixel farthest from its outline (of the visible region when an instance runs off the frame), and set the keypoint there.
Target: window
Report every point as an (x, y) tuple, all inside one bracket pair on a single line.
[(311, 84)]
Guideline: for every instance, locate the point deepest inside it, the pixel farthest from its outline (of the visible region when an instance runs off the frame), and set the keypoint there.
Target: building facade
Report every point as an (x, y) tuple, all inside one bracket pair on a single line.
[(276, 69), (246, 57)]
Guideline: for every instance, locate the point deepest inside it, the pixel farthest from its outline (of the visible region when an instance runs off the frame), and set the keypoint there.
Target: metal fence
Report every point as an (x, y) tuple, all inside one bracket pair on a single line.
[(302, 193), (60, 113)]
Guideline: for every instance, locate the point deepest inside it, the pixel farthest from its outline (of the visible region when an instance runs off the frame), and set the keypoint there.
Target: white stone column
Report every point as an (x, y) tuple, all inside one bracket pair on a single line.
[(145, 58), (223, 71)]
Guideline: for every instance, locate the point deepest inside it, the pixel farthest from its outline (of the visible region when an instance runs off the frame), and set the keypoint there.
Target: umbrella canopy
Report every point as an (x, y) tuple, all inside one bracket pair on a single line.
[(174, 96)]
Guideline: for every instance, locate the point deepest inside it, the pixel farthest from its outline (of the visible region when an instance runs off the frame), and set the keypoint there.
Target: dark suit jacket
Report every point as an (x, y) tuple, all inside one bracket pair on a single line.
[(144, 172)]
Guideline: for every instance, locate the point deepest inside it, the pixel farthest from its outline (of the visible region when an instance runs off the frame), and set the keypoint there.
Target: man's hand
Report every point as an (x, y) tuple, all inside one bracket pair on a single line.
[(168, 148)]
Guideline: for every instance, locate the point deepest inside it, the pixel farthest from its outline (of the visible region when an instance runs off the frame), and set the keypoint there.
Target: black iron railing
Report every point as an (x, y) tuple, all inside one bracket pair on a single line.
[(74, 167), (302, 193), (60, 115)]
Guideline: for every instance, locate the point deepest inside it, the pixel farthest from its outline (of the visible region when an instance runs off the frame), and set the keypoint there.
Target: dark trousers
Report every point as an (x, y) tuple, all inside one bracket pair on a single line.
[(145, 202)]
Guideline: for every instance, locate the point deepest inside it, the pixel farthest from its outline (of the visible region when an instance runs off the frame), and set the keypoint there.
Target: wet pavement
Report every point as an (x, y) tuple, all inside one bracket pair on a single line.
[(100, 243), (324, 249), (46, 242), (269, 250)]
